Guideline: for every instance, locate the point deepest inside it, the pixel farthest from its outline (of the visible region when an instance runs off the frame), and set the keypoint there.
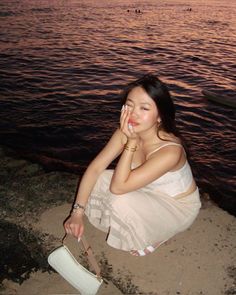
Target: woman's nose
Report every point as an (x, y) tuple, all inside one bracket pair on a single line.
[(134, 112)]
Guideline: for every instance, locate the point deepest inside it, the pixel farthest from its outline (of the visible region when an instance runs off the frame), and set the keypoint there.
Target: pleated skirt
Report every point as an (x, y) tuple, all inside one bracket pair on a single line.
[(140, 218)]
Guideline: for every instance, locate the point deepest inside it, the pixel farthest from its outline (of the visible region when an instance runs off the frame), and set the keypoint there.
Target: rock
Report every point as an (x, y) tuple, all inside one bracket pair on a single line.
[(30, 170)]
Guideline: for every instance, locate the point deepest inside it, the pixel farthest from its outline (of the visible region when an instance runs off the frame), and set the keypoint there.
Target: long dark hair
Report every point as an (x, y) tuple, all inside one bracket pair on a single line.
[(159, 92)]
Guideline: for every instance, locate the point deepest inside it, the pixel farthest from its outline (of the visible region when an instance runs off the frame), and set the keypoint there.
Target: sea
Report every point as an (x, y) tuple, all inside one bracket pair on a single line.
[(64, 63)]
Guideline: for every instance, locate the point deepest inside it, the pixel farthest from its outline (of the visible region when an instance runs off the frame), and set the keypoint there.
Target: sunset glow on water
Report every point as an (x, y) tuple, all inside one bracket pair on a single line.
[(63, 64)]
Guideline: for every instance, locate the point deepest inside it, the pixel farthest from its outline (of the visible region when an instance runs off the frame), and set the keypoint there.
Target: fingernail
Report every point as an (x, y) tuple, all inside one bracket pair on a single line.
[(78, 239), (122, 108)]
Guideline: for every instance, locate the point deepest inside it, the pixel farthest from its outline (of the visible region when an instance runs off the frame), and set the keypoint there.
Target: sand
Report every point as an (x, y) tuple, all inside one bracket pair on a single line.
[(200, 260)]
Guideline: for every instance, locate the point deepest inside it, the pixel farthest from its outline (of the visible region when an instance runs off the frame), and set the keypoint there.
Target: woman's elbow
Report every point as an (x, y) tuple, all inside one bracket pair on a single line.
[(115, 189)]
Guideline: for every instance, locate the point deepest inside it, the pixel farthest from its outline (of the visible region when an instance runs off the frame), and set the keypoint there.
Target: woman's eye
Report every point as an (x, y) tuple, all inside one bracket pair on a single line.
[(146, 109)]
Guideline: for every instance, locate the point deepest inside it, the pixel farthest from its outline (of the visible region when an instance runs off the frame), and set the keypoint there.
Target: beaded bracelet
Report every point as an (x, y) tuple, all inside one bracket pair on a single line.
[(131, 149)]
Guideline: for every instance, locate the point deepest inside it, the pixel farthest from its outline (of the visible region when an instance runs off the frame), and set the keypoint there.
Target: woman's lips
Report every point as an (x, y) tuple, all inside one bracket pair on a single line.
[(133, 123)]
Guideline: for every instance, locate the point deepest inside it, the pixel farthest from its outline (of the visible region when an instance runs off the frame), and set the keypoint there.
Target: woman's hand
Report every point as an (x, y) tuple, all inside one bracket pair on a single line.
[(74, 224), (125, 126)]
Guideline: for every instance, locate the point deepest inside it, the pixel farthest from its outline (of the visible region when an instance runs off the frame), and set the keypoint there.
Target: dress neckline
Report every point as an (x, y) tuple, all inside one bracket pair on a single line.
[(134, 165), (161, 146)]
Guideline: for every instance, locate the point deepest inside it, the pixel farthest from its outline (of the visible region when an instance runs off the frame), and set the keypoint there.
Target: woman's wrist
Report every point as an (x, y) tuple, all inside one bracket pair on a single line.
[(78, 208), (77, 212), (131, 145), (77, 205), (130, 148), (132, 140)]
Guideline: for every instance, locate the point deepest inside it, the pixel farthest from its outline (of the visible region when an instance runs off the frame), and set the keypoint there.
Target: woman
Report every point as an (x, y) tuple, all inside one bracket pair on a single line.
[(151, 195)]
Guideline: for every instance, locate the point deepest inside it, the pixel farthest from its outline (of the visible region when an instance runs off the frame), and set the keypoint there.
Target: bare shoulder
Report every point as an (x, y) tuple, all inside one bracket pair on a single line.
[(169, 153)]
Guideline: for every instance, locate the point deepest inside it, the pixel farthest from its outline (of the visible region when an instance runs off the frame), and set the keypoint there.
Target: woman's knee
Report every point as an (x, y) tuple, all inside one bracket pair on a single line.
[(120, 203)]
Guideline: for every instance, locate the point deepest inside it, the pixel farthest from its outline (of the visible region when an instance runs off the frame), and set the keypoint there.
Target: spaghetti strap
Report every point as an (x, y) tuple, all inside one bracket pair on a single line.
[(160, 147)]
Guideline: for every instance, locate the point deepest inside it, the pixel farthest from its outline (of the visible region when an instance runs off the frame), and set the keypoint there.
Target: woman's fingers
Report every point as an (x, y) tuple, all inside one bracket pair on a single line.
[(74, 229), (68, 230), (66, 227), (123, 115), (125, 126), (81, 231), (130, 127), (124, 119)]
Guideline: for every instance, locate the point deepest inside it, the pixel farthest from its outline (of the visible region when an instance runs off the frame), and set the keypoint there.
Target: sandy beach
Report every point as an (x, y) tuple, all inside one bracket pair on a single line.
[(200, 260)]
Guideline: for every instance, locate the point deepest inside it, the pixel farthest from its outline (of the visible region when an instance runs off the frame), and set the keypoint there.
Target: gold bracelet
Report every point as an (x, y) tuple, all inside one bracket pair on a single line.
[(131, 149)]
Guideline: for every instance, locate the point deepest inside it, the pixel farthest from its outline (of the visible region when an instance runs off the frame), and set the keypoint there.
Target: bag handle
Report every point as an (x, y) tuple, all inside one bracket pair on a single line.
[(89, 254)]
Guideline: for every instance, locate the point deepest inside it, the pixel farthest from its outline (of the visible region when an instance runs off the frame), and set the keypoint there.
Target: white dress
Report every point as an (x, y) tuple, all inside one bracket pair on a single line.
[(147, 216)]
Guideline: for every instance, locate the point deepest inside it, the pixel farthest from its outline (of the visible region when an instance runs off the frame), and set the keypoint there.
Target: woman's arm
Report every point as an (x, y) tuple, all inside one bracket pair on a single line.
[(74, 223), (125, 180), (111, 151)]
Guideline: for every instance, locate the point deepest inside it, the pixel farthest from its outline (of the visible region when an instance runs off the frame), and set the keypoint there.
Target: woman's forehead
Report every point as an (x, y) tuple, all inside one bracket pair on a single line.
[(139, 95)]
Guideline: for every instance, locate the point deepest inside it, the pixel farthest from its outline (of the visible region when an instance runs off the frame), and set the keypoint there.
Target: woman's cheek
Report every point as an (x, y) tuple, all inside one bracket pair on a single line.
[(149, 118), (146, 117)]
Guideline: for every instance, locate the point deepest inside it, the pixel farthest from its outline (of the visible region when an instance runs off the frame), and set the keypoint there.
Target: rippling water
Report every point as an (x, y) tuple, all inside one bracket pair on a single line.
[(63, 64)]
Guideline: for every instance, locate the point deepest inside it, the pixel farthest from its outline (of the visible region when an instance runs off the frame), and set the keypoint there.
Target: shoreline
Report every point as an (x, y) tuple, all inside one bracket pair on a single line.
[(223, 199), (35, 203)]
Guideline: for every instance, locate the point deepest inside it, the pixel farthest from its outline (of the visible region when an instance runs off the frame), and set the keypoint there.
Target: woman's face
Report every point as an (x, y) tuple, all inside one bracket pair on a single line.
[(143, 110)]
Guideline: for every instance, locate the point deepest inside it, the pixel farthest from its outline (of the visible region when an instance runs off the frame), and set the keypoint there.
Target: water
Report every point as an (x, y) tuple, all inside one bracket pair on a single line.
[(63, 64)]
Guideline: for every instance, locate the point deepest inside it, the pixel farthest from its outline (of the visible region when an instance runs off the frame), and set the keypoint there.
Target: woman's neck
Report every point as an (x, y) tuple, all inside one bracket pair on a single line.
[(151, 137)]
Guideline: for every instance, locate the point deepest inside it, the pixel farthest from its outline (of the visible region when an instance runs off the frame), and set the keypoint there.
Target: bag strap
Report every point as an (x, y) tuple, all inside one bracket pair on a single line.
[(89, 254)]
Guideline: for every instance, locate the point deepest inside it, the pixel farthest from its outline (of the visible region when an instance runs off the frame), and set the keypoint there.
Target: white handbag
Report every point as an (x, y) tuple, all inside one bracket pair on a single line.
[(63, 261)]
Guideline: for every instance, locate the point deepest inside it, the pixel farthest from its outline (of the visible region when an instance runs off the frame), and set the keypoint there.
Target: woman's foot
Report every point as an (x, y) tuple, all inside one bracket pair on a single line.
[(147, 250)]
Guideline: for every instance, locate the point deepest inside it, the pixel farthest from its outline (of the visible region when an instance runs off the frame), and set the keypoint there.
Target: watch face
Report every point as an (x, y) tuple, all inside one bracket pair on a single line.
[(76, 206)]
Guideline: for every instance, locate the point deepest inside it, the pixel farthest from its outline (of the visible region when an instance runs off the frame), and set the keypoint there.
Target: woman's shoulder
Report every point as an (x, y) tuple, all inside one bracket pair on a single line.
[(169, 137), (165, 147)]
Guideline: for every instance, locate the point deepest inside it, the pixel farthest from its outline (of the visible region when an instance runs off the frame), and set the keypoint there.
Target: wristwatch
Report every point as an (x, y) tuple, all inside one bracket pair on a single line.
[(78, 206)]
